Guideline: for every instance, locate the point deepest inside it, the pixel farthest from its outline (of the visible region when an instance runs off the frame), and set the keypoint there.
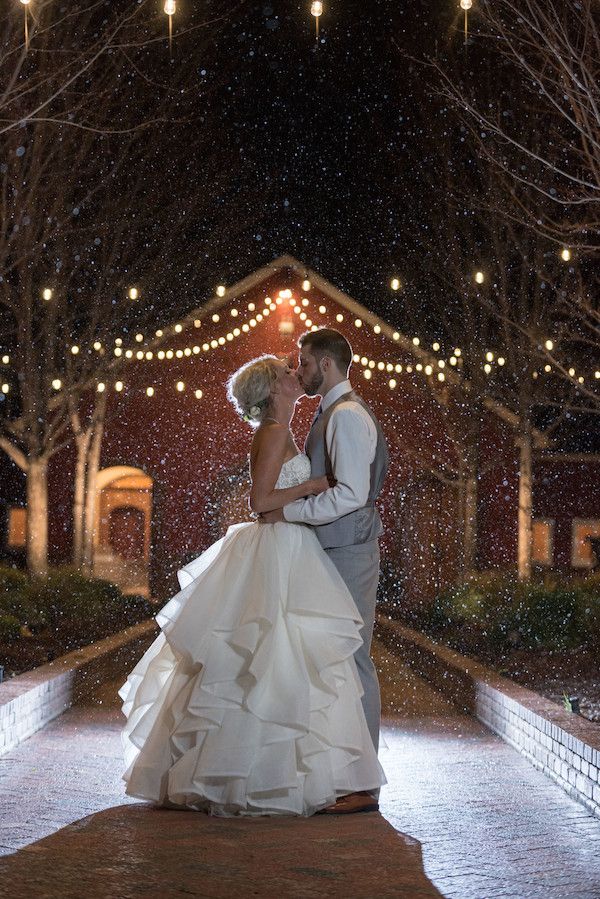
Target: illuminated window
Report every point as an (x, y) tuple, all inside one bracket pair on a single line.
[(17, 528), (542, 541), (582, 554)]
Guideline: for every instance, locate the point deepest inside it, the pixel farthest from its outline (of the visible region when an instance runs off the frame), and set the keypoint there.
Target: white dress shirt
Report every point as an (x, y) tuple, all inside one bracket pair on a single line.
[(351, 439)]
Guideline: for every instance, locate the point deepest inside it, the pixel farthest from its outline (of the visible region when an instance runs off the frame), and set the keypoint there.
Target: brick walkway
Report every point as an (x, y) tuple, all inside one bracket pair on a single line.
[(488, 824)]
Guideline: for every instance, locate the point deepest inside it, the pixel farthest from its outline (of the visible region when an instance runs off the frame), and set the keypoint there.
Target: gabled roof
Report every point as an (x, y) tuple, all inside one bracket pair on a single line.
[(289, 264)]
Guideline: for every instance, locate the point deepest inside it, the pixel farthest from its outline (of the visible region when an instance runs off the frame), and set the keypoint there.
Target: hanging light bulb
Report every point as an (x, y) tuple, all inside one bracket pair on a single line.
[(26, 4), (316, 9), (466, 5), (170, 9)]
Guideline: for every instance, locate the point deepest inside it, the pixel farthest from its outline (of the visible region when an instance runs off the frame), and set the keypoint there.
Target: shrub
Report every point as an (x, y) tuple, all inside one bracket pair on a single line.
[(10, 628), (136, 608), (500, 611), (74, 603), (15, 601), (11, 579)]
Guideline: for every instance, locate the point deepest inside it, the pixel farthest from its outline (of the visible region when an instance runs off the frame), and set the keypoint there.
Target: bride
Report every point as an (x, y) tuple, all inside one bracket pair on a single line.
[(249, 702)]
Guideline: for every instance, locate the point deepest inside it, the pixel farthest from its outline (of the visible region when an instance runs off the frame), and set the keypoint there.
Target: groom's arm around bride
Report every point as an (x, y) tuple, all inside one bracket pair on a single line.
[(345, 443)]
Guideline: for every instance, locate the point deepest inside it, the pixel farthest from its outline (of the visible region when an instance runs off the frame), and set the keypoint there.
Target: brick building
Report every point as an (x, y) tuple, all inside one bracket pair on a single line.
[(174, 454)]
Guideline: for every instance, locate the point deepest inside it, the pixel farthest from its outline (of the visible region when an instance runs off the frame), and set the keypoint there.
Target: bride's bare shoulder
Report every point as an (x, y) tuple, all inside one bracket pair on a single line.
[(269, 438)]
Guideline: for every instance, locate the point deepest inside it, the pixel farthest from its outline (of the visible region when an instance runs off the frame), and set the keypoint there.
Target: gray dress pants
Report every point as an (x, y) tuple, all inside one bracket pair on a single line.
[(359, 568)]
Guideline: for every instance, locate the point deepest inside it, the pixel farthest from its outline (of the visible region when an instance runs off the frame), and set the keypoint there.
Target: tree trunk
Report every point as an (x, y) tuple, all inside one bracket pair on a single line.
[(37, 517), (470, 517), (525, 502), (93, 466), (82, 441)]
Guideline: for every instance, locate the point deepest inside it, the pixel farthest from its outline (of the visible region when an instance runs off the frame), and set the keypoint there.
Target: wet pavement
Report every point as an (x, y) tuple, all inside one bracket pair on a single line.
[(478, 817)]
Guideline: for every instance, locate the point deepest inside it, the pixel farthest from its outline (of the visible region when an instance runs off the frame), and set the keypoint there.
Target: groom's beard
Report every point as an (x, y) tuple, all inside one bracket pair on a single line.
[(313, 387)]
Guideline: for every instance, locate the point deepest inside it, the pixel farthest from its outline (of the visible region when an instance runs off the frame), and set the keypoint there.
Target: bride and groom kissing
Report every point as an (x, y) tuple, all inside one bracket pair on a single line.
[(259, 696)]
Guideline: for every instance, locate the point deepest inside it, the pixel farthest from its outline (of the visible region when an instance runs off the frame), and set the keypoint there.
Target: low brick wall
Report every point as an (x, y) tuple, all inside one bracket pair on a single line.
[(29, 701), (563, 745)]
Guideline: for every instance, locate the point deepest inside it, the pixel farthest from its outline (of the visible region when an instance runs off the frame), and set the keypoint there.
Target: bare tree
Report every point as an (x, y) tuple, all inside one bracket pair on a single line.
[(538, 128), (546, 56), (93, 201), (483, 288)]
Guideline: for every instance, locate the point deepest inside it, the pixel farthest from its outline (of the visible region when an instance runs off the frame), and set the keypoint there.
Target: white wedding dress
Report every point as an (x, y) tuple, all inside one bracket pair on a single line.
[(248, 702)]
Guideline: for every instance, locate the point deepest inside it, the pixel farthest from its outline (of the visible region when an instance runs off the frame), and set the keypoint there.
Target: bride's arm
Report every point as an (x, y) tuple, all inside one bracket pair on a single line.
[(268, 453)]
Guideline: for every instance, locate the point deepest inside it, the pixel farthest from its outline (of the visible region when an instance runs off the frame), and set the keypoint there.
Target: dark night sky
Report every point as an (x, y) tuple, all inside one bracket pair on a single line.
[(330, 135)]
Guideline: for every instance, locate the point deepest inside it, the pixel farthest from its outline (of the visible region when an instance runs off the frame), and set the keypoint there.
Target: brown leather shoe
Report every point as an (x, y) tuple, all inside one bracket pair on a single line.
[(352, 804)]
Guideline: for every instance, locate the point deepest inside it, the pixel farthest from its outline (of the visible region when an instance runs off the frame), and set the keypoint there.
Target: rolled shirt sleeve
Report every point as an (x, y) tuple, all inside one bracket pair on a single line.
[(351, 439)]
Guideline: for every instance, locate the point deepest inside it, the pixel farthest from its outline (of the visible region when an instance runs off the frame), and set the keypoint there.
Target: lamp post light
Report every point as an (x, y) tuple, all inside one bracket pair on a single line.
[(316, 9), (25, 5), (466, 5), (170, 8)]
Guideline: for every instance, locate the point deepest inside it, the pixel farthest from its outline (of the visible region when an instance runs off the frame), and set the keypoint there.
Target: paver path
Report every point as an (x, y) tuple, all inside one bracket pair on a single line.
[(489, 824)]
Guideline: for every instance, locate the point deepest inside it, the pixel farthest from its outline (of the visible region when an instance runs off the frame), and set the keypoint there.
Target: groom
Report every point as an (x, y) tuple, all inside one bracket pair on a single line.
[(346, 443)]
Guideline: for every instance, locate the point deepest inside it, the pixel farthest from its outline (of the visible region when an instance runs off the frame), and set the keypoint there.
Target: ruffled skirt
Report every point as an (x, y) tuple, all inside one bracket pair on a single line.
[(249, 702)]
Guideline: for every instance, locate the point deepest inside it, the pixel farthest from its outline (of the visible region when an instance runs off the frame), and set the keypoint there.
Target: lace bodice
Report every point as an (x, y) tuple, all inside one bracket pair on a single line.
[(294, 471)]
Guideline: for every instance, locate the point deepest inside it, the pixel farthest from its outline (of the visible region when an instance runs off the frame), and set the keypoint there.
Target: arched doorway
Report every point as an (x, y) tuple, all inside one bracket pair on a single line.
[(122, 528)]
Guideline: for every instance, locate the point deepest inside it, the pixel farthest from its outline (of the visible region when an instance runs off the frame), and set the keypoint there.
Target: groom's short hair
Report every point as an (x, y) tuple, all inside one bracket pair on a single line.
[(328, 342)]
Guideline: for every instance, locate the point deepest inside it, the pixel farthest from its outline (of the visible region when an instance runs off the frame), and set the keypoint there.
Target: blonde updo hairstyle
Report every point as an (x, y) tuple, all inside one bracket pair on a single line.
[(250, 388)]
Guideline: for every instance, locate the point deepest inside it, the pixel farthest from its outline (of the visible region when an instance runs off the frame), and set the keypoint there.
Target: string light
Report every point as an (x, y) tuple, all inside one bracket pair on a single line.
[(306, 285), (395, 284), (5, 388), (221, 290), (479, 277), (565, 254), (47, 293), (369, 364), (133, 293)]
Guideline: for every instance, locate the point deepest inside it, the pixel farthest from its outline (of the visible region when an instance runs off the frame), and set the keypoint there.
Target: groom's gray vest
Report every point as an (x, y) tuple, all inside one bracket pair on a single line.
[(364, 524)]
